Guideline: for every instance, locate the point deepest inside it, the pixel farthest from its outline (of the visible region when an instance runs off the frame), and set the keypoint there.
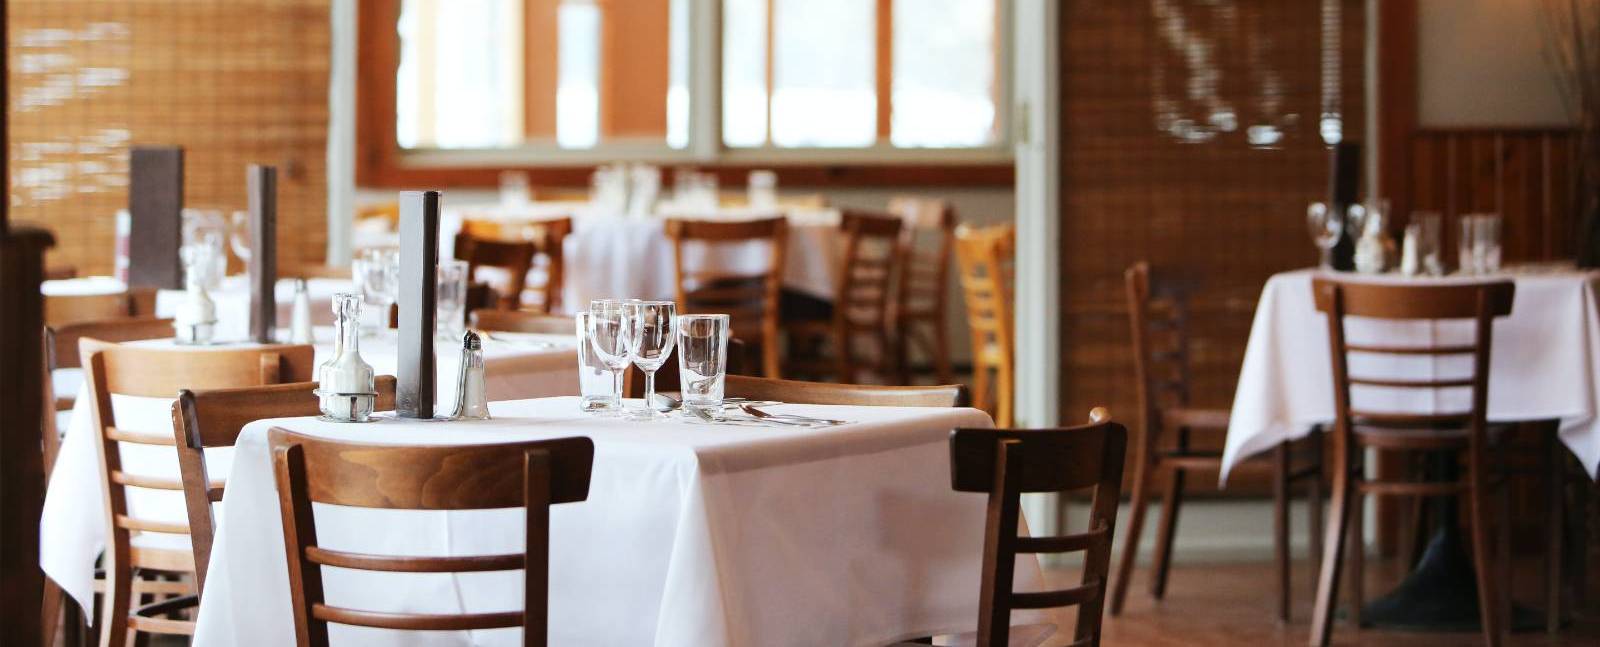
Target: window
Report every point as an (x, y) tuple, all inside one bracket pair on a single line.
[(570, 83)]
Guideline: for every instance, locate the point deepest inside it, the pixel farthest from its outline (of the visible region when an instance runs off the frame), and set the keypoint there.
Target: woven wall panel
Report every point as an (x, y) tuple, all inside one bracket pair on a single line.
[(232, 81), (1158, 101), (1524, 175)]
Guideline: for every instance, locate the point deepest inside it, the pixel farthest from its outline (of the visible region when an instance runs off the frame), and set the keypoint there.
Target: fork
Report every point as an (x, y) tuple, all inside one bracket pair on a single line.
[(777, 417)]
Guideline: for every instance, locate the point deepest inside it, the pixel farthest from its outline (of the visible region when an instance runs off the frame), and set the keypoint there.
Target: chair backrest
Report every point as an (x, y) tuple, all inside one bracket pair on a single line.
[(521, 321), (985, 258), (62, 341), (795, 391), (208, 418), (60, 310), (925, 268), (515, 257), (1158, 317), (111, 368), (1006, 463), (548, 237), (1480, 302), (871, 258), (751, 300), (532, 475)]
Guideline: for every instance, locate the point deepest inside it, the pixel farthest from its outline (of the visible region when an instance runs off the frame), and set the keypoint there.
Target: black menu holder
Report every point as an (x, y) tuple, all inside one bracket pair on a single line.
[(419, 280), (155, 212), (1344, 180), (262, 183)]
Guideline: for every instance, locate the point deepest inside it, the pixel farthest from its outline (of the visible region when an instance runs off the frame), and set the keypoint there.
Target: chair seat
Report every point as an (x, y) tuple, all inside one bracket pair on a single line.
[(1021, 636)]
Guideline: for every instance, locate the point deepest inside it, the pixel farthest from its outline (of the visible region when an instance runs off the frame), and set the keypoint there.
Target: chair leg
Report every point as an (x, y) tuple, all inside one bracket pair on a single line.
[(1489, 595), (1004, 395), (118, 595), (1144, 469), (1333, 553), (50, 612), (1314, 501), (941, 356), (1554, 469), (1357, 556), (1280, 524), (1171, 501)]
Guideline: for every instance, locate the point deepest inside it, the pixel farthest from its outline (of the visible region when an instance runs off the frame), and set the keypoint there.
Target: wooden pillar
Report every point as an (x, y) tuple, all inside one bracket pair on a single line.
[(419, 280), (262, 185)]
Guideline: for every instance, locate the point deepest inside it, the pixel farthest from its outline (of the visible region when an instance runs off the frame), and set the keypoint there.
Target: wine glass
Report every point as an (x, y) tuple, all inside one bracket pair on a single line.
[(1325, 227), (451, 297), (239, 236), (377, 274), (608, 336), (652, 332)]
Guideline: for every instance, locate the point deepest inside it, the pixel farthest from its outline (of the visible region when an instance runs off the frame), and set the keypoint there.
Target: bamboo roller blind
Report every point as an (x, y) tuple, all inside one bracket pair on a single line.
[(232, 81), (1192, 139)]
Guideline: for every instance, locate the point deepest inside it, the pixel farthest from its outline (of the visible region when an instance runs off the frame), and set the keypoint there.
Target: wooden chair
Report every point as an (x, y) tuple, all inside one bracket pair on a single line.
[(61, 352), (1006, 463), (921, 294), (548, 237), (1463, 432), (750, 300), (532, 475), (794, 391), (515, 258), (985, 258), (861, 304), (60, 310), (1158, 315), (521, 321), (209, 418), (159, 372)]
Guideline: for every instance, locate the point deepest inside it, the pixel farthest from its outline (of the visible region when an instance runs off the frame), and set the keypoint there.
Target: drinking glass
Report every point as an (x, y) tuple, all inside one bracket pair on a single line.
[(239, 235), (596, 382), (1429, 249), (451, 300), (703, 360), (1325, 227), (1486, 243), (608, 337), (650, 340), (763, 189), (377, 274)]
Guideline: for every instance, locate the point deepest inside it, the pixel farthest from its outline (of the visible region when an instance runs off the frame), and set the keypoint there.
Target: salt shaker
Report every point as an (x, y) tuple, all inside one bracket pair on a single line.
[(347, 387), (300, 316), (472, 396)]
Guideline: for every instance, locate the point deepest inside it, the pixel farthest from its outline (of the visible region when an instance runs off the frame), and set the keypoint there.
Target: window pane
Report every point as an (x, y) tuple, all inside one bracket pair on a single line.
[(744, 72), (824, 68), (573, 73), (578, 75), (478, 104), (944, 73)]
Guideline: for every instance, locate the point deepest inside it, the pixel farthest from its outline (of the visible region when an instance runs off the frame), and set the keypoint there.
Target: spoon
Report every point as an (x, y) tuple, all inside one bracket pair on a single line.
[(665, 403)]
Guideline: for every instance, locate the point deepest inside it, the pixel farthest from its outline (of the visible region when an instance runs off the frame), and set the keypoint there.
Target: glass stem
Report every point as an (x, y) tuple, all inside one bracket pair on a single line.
[(649, 389), (616, 376)]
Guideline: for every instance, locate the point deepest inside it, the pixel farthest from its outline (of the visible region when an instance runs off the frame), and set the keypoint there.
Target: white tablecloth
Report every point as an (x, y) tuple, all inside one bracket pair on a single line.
[(232, 299), (72, 528), (610, 256), (1545, 363), (692, 535)]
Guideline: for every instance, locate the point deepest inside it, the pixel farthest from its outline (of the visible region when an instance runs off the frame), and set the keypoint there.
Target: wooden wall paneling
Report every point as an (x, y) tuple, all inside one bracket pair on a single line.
[(108, 74), (1523, 174)]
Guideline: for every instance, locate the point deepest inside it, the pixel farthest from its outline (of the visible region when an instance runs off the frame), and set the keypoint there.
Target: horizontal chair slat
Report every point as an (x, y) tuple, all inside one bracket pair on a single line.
[(148, 525), (1412, 384), (366, 562), (1062, 544), (139, 437), (380, 620), (1410, 350), (148, 482), (1052, 599)]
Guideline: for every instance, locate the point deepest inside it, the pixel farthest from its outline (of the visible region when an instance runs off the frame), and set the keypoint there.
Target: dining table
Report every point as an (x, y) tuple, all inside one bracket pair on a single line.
[(693, 533), (1544, 371), (232, 299), (613, 255), (73, 524)]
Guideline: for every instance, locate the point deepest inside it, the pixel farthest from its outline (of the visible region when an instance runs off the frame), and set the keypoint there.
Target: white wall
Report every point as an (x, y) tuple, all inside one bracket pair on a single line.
[(1483, 63)]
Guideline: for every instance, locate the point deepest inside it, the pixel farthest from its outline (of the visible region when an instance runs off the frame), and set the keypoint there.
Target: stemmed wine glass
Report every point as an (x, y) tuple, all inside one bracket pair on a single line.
[(1325, 227), (377, 273), (608, 336), (652, 332), (239, 235)]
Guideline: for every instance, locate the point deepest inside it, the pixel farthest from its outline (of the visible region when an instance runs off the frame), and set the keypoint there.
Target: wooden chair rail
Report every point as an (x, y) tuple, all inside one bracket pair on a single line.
[(366, 562), (757, 388), (417, 622)]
